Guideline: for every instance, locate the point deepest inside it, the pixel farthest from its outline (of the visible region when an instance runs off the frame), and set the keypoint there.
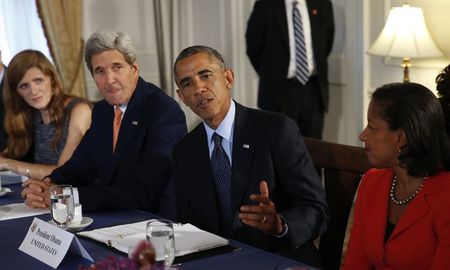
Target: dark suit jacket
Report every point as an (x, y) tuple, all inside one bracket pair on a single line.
[(275, 153), (421, 238), (267, 40), (3, 135), (140, 170)]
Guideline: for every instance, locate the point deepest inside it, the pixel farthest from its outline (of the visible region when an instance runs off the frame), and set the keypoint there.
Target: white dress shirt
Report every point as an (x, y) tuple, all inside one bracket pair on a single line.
[(302, 7), (225, 130)]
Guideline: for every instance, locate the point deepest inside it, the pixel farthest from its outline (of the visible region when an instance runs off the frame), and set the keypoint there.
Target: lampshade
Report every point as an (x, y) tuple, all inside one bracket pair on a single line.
[(405, 35)]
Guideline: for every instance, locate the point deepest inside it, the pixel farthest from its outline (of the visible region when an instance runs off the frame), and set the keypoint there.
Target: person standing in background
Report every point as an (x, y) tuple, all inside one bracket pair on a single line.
[(3, 136), (288, 44)]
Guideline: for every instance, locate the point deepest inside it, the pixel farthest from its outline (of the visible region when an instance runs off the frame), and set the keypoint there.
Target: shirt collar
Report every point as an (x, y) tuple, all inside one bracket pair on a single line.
[(225, 129), (122, 107)]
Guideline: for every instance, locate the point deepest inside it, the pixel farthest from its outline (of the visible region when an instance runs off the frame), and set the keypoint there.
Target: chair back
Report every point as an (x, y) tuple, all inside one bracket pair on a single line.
[(342, 167)]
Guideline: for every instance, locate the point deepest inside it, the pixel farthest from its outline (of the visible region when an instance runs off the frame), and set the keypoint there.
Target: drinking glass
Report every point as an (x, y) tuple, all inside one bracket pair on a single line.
[(62, 206), (160, 235)]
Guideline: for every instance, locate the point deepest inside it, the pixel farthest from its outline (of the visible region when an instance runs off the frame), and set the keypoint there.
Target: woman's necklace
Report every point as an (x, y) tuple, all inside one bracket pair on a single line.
[(407, 200)]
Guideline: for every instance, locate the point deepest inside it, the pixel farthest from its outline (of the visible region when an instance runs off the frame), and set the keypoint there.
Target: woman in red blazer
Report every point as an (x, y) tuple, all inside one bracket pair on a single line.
[(402, 212)]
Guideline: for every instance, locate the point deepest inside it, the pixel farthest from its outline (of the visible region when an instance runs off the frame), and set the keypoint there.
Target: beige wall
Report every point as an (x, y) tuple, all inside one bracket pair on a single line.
[(221, 24)]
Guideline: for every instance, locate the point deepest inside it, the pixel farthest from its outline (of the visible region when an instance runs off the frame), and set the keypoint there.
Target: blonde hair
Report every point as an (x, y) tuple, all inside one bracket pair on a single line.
[(18, 114)]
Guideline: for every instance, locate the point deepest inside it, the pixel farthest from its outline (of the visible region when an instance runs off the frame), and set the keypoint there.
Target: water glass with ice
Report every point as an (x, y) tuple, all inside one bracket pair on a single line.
[(62, 205), (160, 235)]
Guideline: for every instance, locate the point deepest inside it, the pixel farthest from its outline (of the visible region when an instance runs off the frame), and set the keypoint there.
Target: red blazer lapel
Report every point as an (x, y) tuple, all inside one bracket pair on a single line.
[(379, 213), (419, 206), (413, 213)]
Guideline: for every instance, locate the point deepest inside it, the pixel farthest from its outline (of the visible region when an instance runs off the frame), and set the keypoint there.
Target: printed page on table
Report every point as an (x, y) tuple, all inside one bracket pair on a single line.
[(19, 210), (9, 178), (188, 238)]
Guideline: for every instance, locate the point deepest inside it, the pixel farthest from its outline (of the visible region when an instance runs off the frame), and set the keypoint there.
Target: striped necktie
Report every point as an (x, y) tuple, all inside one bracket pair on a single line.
[(301, 60)]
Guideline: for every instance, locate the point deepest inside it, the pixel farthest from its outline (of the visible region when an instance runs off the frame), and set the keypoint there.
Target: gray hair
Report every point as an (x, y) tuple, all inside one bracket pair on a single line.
[(103, 40), (189, 51)]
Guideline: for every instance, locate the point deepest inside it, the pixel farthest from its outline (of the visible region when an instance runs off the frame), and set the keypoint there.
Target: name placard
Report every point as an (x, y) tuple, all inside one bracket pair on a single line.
[(49, 244)]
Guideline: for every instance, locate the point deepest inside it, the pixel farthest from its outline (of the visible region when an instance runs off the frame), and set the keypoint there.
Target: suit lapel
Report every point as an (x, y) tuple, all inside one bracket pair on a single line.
[(312, 12), (418, 207), (280, 12), (132, 122), (379, 214), (102, 131), (413, 213), (132, 119), (243, 149), (203, 174)]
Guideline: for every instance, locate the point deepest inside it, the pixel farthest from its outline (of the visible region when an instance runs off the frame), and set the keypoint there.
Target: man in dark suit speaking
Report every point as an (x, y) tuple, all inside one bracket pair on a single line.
[(288, 44), (243, 173), (125, 158)]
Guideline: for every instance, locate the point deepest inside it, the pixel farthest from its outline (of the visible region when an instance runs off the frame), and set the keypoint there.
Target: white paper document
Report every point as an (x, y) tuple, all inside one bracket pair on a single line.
[(188, 238), (9, 177), (19, 210)]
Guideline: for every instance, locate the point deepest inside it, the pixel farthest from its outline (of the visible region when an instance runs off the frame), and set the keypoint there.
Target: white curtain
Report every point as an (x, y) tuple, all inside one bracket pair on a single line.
[(181, 23), (167, 29), (20, 29), (165, 23)]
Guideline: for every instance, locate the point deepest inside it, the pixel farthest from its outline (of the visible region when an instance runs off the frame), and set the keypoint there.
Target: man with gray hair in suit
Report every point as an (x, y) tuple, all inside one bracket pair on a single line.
[(125, 158)]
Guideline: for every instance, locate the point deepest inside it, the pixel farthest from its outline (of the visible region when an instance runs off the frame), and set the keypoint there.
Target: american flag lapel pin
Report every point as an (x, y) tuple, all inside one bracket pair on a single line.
[(134, 123), (246, 146), (314, 11)]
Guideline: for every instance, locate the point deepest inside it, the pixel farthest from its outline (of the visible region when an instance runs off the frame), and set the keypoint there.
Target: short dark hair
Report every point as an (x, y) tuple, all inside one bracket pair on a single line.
[(416, 111), (443, 83), (189, 51), (443, 89)]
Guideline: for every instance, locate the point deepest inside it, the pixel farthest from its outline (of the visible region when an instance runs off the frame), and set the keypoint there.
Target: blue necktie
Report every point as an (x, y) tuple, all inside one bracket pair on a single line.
[(301, 61), (221, 170)]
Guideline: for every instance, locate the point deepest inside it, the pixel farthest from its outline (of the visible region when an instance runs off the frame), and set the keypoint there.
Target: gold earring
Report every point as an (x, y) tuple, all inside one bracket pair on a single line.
[(399, 153)]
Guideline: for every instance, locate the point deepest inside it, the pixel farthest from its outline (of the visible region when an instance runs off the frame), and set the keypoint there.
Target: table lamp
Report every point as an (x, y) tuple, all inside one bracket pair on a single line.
[(405, 35)]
